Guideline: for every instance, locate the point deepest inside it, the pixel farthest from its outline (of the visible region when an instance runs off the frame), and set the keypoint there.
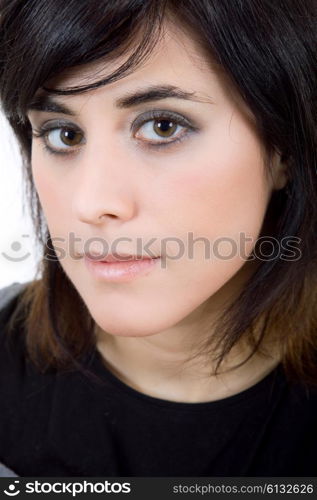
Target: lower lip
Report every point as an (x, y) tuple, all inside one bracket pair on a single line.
[(121, 271)]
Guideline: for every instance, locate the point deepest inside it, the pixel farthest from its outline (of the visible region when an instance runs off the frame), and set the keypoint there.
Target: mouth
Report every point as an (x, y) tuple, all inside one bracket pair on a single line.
[(126, 269), (115, 257)]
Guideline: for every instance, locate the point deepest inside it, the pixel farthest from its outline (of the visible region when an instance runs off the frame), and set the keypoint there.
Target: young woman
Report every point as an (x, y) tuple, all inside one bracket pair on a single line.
[(170, 157)]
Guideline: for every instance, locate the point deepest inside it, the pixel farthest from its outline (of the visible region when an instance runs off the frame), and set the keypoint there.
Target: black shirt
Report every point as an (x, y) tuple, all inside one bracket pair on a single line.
[(66, 424)]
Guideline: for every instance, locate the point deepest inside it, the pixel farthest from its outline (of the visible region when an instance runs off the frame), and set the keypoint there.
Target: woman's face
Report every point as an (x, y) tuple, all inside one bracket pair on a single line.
[(162, 184)]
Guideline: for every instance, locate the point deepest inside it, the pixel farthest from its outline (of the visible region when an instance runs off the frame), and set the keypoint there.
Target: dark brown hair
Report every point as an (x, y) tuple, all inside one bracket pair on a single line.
[(267, 50)]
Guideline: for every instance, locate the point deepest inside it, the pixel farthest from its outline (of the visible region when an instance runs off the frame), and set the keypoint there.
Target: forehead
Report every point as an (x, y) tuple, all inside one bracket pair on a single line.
[(175, 59)]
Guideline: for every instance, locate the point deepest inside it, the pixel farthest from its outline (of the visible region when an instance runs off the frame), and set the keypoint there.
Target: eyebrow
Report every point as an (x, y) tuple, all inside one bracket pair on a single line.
[(47, 103)]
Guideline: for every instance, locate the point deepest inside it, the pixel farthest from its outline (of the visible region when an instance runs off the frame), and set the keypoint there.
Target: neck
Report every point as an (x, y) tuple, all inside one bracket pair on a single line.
[(162, 366)]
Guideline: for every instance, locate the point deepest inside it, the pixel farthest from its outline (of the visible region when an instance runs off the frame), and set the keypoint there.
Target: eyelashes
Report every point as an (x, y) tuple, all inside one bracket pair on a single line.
[(155, 129), (52, 132)]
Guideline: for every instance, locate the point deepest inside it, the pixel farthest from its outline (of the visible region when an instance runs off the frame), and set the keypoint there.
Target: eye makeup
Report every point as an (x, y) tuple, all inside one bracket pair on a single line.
[(162, 118)]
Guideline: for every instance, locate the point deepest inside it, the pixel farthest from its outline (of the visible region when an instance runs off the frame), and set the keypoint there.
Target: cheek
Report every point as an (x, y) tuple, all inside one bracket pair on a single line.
[(54, 202), (221, 189), (52, 195), (219, 197)]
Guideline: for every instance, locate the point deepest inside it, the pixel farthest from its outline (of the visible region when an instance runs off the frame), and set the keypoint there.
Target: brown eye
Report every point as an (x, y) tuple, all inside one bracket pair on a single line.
[(164, 128), (63, 138), (70, 137), (156, 130)]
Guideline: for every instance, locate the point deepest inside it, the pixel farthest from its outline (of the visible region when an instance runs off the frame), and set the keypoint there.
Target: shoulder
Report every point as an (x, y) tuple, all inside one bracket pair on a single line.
[(11, 337), (9, 298), (10, 292)]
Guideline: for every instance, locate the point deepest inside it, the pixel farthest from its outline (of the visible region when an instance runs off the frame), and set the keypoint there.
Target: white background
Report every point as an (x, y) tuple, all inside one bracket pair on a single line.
[(17, 238)]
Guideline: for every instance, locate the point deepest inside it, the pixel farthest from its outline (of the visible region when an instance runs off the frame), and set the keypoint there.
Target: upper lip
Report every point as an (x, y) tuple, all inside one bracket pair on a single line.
[(115, 257)]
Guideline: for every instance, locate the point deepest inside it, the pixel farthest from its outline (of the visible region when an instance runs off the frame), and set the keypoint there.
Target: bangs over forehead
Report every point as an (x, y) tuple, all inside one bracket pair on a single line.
[(64, 35)]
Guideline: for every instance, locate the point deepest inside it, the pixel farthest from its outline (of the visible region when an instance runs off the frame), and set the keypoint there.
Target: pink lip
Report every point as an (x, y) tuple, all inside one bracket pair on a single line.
[(115, 258), (120, 271)]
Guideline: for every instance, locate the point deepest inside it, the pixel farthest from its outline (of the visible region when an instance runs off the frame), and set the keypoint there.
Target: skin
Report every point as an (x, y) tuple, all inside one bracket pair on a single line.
[(212, 184)]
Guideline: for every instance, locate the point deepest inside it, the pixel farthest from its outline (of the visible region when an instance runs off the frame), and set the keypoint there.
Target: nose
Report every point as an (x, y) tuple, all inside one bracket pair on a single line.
[(103, 189)]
